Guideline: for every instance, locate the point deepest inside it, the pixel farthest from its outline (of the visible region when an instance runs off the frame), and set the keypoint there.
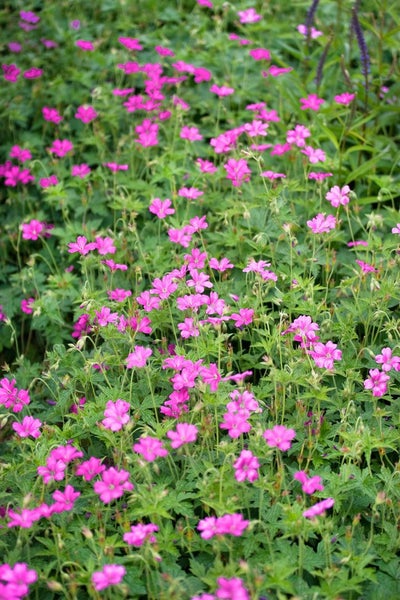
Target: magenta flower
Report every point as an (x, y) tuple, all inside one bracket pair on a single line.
[(119, 294), (113, 484), (33, 73), (84, 45), (190, 193), (21, 154), (321, 223), (117, 414), (81, 170), (185, 433), (304, 329), (304, 31), (387, 360), (86, 114), (61, 147), (109, 575), (164, 287), (377, 382), (51, 114), (188, 328), (309, 485), (325, 354), (246, 466), (11, 72), (338, 196), (130, 43), (138, 358), (244, 317), (312, 102), (237, 171), (88, 469), (231, 589), (29, 16), (17, 578), (236, 423), (319, 508), (229, 524), (33, 229), (28, 427), (64, 501), (46, 182), (279, 437), (150, 448), (27, 305), (260, 54), (396, 229), (54, 470), (366, 267), (139, 534), (11, 397)]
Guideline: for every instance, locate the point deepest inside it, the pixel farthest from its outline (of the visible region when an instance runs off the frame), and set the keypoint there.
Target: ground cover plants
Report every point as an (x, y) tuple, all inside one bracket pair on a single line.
[(199, 290)]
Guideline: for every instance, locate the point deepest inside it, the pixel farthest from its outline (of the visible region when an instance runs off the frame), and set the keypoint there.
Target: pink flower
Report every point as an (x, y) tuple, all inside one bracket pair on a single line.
[(163, 51), (190, 193), (105, 245), (33, 229), (248, 16), (206, 166), (396, 229), (280, 437), (150, 448), (164, 287), (271, 175), (304, 330), (84, 45), (88, 469), (231, 589), (147, 132), (237, 171), (86, 114), (138, 358), (109, 575), (309, 485), (325, 354), (117, 414), (314, 155), (345, 98), (220, 265), (14, 47), (314, 32), (377, 382), (312, 102), (61, 147), (206, 3), (236, 423), (29, 16), (184, 434), (161, 208), (244, 317), (81, 170), (246, 466), (139, 534), (54, 470), (64, 501), (275, 71), (366, 267), (387, 360), (319, 508), (119, 294), (260, 54), (188, 328), (229, 524), (190, 133), (116, 167), (338, 196), (321, 223), (113, 484), (222, 90), (82, 246), (28, 427), (298, 136), (319, 176)]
